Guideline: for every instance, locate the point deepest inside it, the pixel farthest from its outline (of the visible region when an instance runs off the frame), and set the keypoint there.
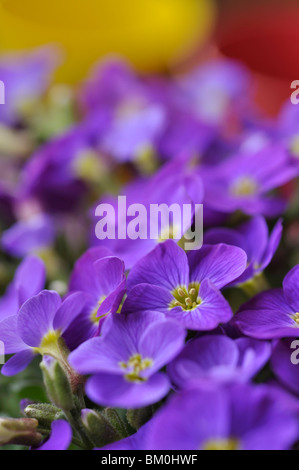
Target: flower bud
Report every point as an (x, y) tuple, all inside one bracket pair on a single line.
[(138, 417), (44, 413), (57, 383), (99, 430), (21, 431)]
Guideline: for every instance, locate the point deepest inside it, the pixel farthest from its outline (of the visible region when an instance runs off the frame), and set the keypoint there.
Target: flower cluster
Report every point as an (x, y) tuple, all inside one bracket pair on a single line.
[(176, 349)]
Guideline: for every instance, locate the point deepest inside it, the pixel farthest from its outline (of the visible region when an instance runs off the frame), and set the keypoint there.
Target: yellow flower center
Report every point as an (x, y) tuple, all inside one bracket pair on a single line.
[(186, 297), (296, 318), (135, 366), (245, 186), (221, 444)]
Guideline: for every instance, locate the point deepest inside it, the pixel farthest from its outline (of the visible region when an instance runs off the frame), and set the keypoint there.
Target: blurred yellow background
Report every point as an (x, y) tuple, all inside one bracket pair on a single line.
[(151, 34)]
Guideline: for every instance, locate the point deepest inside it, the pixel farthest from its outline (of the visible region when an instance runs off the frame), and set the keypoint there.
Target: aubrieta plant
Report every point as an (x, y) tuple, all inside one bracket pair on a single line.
[(129, 344)]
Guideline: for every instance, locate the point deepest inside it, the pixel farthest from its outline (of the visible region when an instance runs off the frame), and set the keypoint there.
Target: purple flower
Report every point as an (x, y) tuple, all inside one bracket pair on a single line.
[(259, 254), (174, 183), (217, 358), (216, 90), (274, 313), (60, 437), (243, 417), (37, 329), (134, 132), (110, 84), (29, 280), (52, 175), (185, 287), (26, 77), (100, 276), (285, 364), (243, 182), (29, 236), (184, 134), (126, 359)]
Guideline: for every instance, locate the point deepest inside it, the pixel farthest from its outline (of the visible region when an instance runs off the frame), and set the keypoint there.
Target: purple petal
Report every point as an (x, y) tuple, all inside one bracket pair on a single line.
[(273, 244), (9, 304), (18, 362), (96, 356), (219, 263), (255, 229), (10, 337), (147, 297), (266, 316), (110, 273), (286, 370), (290, 288), (68, 311), (30, 278), (60, 438), (83, 277), (36, 317), (161, 342), (116, 391), (29, 236), (166, 266)]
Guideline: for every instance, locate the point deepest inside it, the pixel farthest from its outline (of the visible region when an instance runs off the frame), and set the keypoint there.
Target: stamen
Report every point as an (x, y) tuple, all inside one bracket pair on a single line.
[(186, 297), (135, 366), (181, 292), (244, 186)]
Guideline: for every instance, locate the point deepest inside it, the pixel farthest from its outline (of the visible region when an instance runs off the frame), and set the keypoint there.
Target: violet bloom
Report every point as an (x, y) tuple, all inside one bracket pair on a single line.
[(53, 175), (174, 183), (217, 90), (217, 358), (60, 437), (110, 84), (245, 236), (29, 280), (126, 359), (38, 329), (32, 235), (273, 313), (26, 77), (100, 276), (243, 182), (134, 132), (185, 287), (285, 364), (240, 417)]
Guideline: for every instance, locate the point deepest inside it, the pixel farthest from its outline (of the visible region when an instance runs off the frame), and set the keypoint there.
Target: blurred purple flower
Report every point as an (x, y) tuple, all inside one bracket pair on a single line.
[(274, 313), (126, 359), (217, 358), (259, 254), (26, 77), (243, 182), (29, 280), (243, 417)]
